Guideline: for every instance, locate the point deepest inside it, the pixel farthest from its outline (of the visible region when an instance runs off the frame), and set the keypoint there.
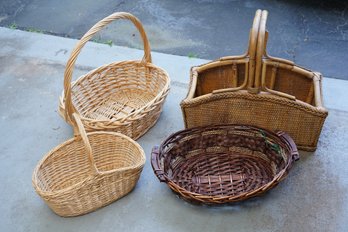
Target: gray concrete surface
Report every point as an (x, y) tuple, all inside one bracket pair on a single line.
[(312, 33), (312, 198)]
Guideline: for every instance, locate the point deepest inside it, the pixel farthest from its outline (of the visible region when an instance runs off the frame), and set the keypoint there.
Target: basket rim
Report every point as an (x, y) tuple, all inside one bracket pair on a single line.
[(163, 92), (71, 140), (224, 61), (184, 192)]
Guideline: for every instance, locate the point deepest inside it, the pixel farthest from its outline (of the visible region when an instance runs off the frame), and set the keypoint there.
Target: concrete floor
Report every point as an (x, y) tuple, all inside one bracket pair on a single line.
[(313, 33), (312, 198)]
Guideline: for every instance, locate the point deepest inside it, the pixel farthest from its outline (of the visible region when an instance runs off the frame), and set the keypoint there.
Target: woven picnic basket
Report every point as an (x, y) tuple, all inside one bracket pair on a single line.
[(125, 97), (280, 95), (223, 163), (88, 171)]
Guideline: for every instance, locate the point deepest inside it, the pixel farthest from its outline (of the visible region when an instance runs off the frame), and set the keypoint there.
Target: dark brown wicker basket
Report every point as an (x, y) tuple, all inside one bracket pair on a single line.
[(223, 163)]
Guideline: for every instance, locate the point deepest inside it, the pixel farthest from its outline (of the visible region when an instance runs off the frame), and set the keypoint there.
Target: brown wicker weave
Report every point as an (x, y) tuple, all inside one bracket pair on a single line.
[(125, 97), (88, 171), (280, 95), (223, 163)]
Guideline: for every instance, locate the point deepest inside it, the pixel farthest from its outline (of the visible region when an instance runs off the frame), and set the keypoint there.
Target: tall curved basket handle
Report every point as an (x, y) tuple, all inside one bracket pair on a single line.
[(250, 54), (254, 31), (80, 131), (260, 54), (69, 108)]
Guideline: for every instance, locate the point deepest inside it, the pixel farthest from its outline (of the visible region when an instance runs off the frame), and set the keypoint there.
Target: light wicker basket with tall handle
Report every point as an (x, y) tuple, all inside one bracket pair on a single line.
[(88, 171), (125, 96), (290, 100)]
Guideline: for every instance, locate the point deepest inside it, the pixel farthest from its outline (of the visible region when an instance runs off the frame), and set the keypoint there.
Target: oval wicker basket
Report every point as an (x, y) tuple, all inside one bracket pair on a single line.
[(223, 163), (88, 171), (125, 97)]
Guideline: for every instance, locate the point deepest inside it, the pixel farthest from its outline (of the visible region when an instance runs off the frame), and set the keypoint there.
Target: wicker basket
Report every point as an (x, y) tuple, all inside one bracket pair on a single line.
[(124, 97), (88, 172), (280, 95), (223, 163)]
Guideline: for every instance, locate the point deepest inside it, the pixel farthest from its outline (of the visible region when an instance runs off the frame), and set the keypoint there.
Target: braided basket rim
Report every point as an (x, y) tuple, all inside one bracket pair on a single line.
[(263, 96)]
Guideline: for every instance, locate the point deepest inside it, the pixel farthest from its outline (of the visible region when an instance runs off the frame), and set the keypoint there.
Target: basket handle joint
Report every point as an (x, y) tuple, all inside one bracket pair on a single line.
[(156, 165), (290, 143), (254, 90)]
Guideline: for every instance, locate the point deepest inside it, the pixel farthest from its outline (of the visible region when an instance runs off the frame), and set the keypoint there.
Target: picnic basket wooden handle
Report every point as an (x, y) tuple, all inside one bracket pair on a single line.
[(251, 53), (85, 38), (260, 48), (254, 31), (80, 132), (260, 76)]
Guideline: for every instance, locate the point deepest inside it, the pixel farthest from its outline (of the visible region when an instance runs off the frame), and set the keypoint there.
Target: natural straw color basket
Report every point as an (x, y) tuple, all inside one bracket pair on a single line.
[(125, 97), (280, 96), (88, 172), (223, 163)]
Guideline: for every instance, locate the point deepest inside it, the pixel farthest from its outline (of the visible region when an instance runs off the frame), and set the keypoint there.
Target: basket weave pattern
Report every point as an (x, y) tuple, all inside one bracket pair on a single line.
[(258, 110), (88, 172)]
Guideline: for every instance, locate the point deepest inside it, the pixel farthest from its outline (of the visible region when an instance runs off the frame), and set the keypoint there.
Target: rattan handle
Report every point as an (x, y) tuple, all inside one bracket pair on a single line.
[(156, 165), (290, 143), (260, 75), (251, 53), (260, 48), (69, 108), (254, 31), (81, 132)]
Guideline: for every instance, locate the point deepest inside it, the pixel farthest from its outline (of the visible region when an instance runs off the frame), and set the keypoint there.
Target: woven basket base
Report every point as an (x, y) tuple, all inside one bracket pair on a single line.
[(119, 105), (224, 174)]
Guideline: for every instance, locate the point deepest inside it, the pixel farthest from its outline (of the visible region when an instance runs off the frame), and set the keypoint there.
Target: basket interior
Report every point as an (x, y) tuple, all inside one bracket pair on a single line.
[(290, 82), (221, 77), (117, 90), (283, 80), (222, 161), (68, 164)]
